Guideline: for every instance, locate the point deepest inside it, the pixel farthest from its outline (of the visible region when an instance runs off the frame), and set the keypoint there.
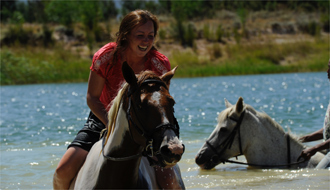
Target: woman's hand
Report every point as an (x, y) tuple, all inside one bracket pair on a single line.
[(308, 153)]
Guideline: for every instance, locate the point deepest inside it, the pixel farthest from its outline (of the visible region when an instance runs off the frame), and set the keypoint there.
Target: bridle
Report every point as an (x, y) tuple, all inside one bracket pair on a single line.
[(148, 151), (227, 143)]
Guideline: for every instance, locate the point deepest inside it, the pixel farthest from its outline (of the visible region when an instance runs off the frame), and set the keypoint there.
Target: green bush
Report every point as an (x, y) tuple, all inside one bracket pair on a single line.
[(207, 32), (219, 33), (190, 34), (310, 27), (17, 35), (162, 34), (216, 51), (39, 66), (20, 70)]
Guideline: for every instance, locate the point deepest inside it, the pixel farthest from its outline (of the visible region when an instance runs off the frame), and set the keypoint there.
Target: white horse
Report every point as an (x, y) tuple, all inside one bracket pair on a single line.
[(141, 123), (241, 130)]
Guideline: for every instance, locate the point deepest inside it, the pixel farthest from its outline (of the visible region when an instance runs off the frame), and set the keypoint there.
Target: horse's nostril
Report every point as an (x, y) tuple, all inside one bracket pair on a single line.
[(165, 150), (177, 157), (198, 159), (167, 153)]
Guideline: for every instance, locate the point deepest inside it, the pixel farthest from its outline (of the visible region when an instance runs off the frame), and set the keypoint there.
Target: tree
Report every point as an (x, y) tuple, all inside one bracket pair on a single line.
[(108, 9), (63, 12), (7, 8)]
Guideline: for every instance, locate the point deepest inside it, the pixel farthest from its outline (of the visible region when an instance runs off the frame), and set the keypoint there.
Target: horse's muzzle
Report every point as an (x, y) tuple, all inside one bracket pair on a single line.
[(172, 153)]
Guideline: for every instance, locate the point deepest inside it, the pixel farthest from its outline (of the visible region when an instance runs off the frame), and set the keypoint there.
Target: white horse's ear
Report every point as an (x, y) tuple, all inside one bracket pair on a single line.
[(168, 76), (239, 105), (228, 104)]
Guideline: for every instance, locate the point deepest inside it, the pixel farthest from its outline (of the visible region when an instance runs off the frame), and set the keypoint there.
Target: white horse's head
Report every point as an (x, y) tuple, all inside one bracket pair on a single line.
[(241, 130), (222, 143)]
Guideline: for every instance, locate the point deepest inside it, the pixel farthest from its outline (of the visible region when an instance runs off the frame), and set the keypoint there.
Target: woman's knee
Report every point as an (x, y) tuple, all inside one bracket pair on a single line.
[(71, 162)]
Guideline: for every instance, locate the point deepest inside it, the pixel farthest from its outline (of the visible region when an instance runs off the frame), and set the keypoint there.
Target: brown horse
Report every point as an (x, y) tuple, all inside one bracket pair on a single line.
[(141, 124)]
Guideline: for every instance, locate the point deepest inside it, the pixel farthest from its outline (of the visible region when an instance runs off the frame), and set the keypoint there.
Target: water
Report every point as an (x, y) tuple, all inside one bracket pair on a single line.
[(39, 121)]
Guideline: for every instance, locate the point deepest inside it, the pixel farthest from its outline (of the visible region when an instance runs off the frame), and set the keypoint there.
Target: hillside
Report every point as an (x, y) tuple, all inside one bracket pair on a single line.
[(264, 42)]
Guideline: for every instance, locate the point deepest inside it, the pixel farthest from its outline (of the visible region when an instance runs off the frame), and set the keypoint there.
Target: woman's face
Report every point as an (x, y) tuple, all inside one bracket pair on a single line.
[(141, 39)]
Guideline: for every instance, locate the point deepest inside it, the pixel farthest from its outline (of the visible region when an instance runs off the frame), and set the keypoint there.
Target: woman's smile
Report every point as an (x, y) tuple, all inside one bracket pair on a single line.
[(143, 48)]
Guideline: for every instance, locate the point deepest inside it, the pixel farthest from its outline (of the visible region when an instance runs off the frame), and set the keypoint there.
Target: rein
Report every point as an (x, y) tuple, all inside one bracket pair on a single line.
[(147, 135), (229, 141)]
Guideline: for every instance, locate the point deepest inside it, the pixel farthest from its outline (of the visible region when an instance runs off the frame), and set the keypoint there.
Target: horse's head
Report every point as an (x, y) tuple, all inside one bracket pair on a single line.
[(150, 113), (224, 141)]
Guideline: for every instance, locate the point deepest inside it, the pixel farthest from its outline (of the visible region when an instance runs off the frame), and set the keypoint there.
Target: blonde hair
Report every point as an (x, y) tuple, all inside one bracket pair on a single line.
[(113, 112)]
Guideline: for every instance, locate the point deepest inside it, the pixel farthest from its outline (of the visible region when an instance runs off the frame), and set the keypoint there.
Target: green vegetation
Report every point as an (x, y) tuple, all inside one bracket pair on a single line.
[(26, 66), (256, 59), (52, 41)]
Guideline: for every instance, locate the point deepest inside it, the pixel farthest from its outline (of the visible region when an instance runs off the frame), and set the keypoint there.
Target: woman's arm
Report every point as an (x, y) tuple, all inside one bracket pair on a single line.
[(309, 152), (317, 135), (94, 91)]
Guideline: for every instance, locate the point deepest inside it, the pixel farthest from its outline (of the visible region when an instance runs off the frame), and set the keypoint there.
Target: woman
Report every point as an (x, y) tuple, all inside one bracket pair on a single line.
[(134, 44), (323, 133)]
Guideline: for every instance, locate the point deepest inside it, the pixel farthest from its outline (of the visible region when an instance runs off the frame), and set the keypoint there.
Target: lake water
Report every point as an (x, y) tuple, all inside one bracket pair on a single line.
[(38, 122)]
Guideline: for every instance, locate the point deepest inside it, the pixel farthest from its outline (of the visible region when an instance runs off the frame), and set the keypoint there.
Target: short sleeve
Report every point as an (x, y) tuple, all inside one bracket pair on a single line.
[(160, 63), (102, 58)]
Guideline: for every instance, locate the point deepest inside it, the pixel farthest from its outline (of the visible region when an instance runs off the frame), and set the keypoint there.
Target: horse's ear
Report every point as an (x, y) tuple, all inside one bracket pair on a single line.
[(239, 105), (227, 103), (168, 76), (129, 74)]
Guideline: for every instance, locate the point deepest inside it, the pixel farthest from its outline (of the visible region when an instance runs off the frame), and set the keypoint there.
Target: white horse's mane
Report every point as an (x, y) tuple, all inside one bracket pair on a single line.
[(266, 118), (271, 121)]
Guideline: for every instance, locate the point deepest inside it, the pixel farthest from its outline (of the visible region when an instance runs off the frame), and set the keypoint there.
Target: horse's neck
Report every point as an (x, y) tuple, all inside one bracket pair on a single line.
[(116, 137), (120, 138), (124, 174), (265, 143)]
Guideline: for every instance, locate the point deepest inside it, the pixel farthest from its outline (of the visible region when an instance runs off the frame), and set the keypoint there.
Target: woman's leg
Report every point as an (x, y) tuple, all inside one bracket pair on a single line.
[(68, 167)]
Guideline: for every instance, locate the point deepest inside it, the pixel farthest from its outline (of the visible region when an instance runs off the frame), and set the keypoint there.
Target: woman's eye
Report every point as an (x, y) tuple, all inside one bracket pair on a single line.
[(151, 37)]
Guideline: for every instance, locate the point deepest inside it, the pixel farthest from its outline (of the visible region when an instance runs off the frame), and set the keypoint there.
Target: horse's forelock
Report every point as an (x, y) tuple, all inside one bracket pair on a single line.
[(224, 114)]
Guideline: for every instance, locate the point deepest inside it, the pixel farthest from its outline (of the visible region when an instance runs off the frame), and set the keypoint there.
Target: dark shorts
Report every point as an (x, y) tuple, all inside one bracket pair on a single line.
[(89, 134)]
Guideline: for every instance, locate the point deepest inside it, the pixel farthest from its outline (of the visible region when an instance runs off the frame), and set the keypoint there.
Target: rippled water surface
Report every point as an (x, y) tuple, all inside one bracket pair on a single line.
[(39, 121)]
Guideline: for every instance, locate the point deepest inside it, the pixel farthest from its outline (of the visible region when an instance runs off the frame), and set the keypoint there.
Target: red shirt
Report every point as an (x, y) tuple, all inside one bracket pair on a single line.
[(156, 62)]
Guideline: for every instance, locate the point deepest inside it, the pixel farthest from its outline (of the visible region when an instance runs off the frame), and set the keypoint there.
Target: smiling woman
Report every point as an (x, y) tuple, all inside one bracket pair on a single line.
[(134, 45)]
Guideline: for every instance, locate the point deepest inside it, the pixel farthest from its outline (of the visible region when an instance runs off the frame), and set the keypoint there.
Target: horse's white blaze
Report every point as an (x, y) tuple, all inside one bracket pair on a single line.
[(155, 98)]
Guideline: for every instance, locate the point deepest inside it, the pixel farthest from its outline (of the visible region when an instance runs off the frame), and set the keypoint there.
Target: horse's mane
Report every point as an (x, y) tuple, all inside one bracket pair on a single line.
[(263, 115), (269, 120)]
